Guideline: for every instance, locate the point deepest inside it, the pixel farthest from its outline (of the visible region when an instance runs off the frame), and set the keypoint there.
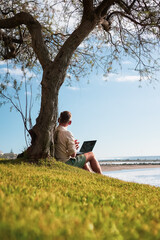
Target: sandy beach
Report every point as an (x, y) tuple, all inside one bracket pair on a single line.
[(106, 168)]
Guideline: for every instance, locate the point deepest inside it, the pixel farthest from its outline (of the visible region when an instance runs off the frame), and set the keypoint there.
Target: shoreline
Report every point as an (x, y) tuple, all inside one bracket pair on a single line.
[(107, 168)]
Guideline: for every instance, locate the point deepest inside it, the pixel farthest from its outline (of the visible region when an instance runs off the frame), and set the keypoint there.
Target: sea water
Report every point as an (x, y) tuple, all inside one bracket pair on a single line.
[(149, 176), (131, 160)]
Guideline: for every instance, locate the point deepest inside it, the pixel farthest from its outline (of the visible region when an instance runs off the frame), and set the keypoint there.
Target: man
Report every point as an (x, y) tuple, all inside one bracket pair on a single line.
[(66, 147)]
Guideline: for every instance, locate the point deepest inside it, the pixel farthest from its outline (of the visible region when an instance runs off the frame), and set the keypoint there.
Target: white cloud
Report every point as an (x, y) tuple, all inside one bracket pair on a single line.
[(129, 78), (127, 62), (17, 72), (2, 63), (110, 76), (73, 88), (119, 78)]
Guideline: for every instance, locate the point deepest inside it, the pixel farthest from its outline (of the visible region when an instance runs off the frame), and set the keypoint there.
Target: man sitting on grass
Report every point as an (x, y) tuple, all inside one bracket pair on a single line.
[(66, 146)]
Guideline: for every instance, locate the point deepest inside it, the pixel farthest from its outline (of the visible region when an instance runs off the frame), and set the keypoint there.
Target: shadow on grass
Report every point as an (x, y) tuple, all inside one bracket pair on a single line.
[(14, 161), (49, 162)]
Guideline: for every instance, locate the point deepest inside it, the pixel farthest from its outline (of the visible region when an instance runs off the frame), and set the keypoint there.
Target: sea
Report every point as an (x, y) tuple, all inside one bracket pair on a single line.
[(144, 175)]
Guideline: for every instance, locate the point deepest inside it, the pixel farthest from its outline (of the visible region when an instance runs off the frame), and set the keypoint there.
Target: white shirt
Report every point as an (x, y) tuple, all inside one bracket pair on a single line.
[(64, 144)]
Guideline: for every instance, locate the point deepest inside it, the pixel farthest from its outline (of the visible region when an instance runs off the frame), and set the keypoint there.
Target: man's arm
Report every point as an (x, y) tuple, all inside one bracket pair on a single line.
[(77, 146), (72, 145)]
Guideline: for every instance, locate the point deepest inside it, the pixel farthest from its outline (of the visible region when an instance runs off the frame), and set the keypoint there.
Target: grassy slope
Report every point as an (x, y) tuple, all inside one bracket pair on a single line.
[(56, 201)]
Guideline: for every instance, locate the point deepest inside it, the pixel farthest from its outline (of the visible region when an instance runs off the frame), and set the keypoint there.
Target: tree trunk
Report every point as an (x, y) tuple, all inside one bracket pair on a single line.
[(42, 144), (42, 133)]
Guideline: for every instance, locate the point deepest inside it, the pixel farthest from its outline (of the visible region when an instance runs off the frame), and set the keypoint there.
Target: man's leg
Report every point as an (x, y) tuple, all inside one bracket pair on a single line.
[(93, 162), (86, 167)]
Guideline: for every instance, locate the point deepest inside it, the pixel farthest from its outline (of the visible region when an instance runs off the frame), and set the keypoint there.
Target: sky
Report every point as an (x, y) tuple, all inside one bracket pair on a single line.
[(122, 114)]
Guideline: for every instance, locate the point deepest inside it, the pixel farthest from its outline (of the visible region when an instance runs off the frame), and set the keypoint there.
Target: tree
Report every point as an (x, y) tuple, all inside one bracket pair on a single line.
[(29, 35)]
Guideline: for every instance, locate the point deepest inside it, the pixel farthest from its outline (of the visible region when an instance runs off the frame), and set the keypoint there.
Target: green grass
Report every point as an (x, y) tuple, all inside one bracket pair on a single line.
[(51, 200)]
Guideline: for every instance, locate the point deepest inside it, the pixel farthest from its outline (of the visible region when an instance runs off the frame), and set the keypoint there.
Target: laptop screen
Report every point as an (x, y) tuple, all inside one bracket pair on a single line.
[(88, 146)]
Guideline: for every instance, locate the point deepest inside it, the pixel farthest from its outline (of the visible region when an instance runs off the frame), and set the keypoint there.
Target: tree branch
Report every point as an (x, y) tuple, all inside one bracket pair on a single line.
[(87, 7), (3, 36), (18, 109), (34, 28), (131, 5), (103, 7), (9, 45), (124, 6), (131, 19)]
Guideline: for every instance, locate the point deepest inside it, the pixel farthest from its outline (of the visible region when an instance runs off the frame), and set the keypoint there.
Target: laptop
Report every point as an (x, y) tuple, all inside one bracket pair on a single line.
[(87, 146)]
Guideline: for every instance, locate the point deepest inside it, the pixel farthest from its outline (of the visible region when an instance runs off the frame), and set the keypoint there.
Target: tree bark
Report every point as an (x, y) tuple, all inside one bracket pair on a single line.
[(42, 132)]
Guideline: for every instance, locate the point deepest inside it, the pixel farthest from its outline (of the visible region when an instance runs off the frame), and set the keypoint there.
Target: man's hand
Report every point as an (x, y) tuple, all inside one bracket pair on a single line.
[(76, 144)]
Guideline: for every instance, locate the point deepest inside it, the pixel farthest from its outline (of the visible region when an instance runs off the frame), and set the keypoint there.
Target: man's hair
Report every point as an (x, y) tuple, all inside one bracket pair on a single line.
[(65, 117)]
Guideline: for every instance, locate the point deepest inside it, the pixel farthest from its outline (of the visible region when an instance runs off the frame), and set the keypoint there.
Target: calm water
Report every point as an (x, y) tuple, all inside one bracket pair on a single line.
[(149, 176), (131, 160)]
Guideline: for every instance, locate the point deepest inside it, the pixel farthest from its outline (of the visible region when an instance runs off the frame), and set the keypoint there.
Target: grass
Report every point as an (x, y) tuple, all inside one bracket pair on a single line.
[(51, 200)]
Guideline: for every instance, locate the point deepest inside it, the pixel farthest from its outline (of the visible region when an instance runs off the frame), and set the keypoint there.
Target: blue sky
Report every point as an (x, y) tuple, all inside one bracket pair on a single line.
[(122, 114)]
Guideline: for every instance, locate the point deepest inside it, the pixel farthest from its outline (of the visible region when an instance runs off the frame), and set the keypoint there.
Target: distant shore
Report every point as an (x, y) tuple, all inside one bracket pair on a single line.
[(107, 168)]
